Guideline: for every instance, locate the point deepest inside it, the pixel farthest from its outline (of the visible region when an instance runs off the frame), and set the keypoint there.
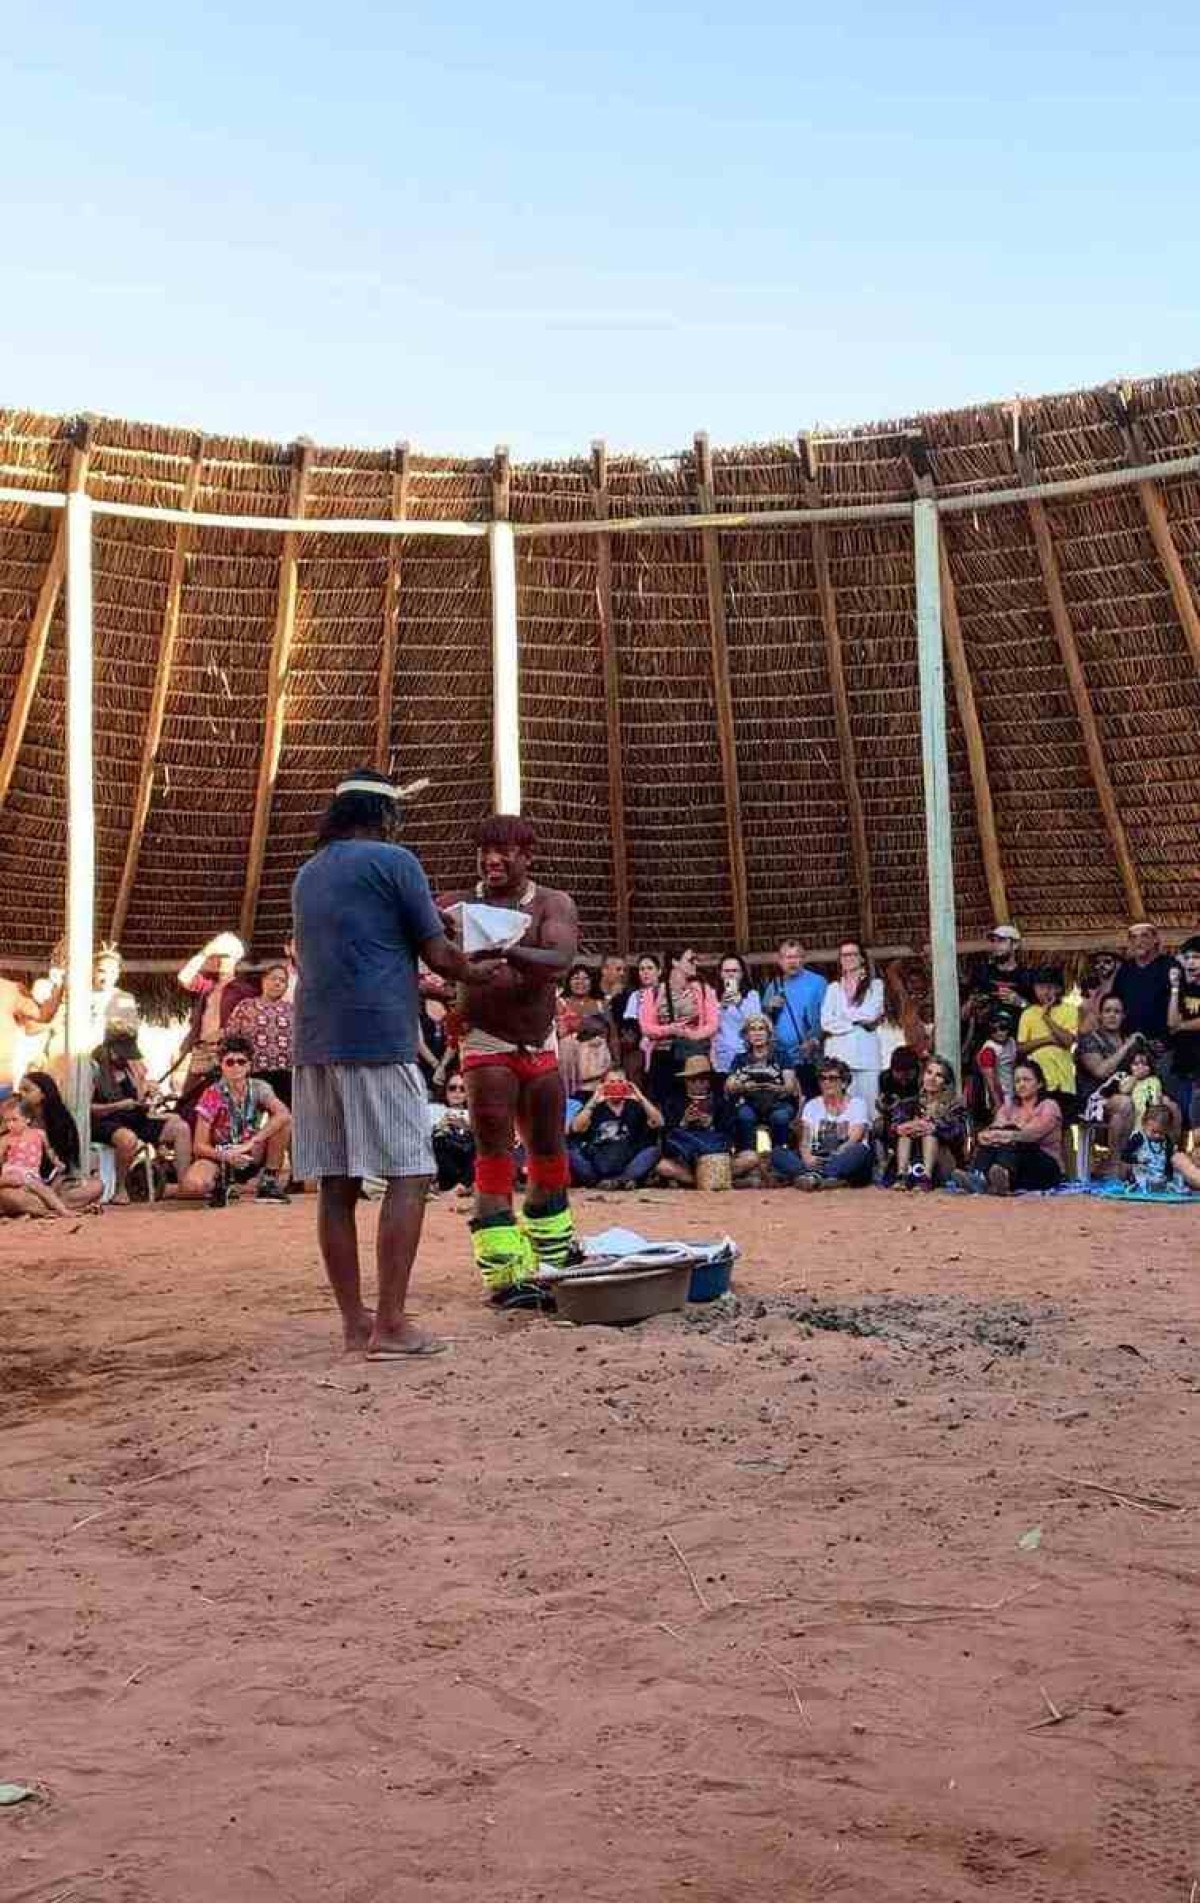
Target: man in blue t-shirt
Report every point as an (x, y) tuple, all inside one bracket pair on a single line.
[(363, 915), (793, 1002)]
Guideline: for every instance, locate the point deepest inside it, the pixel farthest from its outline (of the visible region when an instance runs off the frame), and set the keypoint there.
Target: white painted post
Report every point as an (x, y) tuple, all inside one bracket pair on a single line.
[(81, 815), (506, 699), (936, 769)]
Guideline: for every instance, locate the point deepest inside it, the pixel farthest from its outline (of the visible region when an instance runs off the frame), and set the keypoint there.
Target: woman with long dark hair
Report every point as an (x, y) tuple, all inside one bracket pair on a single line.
[(737, 1003), (1022, 1148), (679, 1018), (851, 1014), (44, 1107)]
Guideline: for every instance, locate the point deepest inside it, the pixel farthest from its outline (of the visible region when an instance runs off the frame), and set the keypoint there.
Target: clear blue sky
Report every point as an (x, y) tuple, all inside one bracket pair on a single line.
[(538, 224)]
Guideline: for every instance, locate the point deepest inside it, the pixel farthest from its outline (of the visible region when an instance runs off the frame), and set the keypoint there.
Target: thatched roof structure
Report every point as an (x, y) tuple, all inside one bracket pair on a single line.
[(793, 606)]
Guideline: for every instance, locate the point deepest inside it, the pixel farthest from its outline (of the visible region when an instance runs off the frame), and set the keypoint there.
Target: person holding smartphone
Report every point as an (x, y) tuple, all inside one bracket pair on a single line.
[(613, 1141)]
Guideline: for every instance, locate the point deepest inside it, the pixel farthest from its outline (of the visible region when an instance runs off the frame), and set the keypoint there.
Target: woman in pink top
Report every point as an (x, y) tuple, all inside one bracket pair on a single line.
[(678, 1019), (1022, 1148)]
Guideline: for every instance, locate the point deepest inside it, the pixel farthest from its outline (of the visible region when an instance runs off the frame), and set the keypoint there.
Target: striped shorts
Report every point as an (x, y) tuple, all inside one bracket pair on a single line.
[(360, 1120)]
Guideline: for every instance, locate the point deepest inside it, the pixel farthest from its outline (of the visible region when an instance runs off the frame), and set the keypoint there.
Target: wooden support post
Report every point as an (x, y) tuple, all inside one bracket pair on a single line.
[(167, 640), (1073, 667), (723, 696), (968, 717), (506, 679), (1157, 520), (277, 685), (43, 614), (859, 849), (935, 763), (612, 703), (81, 813), (391, 616), (964, 694)]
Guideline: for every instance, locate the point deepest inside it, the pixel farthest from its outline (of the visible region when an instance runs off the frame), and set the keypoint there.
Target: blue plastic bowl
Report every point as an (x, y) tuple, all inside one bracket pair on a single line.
[(709, 1280)]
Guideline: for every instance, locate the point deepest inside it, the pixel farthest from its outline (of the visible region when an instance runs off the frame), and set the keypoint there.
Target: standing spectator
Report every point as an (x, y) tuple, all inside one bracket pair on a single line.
[(586, 1057), (579, 998), (19, 1014), (112, 1007), (792, 1000), (1143, 984), (614, 1136), (435, 1052), (1047, 1031), (635, 1049), (363, 915), (1101, 1057), (614, 980), (121, 1114), (906, 999), (211, 979), (997, 979), (242, 1131), (995, 1062), (1183, 1024), (1095, 986), (935, 1132), (266, 1021), (453, 1141), (737, 1003), (694, 1131), (851, 1013), (679, 1019), (760, 1094), (1022, 1149), (832, 1132)]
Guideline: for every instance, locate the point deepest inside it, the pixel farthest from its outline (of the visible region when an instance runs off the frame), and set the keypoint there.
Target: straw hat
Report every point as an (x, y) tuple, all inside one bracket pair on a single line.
[(695, 1067)]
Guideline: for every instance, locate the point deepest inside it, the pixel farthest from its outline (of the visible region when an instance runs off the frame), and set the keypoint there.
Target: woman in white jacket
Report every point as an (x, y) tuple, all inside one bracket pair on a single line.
[(851, 1014)]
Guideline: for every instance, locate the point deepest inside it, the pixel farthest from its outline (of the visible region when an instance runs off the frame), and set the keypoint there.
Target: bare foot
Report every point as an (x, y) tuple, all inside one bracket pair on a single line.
[(357, 1334), (395, 1344), (121, 1199)]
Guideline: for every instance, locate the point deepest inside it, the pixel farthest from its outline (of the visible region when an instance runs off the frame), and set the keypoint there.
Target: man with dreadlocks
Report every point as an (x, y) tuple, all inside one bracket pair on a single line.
[(510, 1061)]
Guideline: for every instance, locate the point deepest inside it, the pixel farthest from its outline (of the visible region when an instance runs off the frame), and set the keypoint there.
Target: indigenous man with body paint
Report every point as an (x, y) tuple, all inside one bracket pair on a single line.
[(510, 1061)]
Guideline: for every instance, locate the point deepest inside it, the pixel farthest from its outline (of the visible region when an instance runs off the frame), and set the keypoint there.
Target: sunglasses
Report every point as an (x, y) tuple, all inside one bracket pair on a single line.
[(238, 1063)]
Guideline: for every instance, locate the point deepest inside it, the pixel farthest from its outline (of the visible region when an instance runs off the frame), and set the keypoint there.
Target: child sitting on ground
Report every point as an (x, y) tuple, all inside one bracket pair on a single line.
[(22, 1148), (1152, 1160)]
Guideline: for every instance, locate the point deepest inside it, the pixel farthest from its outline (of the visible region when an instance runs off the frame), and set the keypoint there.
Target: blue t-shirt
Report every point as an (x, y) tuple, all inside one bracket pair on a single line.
[(795, 1006), (360, 909)]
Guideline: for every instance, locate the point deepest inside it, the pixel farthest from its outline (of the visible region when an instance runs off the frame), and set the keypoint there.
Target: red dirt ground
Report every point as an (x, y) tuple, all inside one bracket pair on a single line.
[(282, 1626)]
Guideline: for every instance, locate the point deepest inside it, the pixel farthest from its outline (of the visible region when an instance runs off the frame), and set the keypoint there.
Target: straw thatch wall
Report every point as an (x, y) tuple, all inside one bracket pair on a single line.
[(1056, 850)]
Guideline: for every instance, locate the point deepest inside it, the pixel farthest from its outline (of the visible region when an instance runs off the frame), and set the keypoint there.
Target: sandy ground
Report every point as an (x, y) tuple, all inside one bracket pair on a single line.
[(278, 1625)]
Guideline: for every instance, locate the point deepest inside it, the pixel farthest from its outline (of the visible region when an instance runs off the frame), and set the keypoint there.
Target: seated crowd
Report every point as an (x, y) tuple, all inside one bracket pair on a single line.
[(672, 1077)]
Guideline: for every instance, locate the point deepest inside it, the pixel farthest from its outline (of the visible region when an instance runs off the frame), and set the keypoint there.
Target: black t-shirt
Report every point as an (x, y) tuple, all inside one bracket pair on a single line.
[(614, 1136), (1185, 1045), (1145, 991)]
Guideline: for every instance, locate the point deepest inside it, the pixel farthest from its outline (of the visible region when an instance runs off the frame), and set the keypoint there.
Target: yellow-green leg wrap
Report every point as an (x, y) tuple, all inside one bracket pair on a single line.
[(552, 1233), (503, 1252)]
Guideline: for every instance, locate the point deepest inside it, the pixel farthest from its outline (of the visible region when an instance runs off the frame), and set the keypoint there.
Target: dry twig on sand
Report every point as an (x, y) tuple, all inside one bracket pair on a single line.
[(1143, 1502), (788, 1678), (1056, 1717), (696, 1586)]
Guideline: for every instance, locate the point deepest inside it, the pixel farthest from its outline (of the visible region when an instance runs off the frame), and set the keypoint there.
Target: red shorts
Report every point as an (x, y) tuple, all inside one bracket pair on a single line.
[(524, 1065)]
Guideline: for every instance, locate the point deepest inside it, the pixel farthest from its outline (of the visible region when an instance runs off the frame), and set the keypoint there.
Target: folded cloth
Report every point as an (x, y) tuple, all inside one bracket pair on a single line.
[(485, 928)]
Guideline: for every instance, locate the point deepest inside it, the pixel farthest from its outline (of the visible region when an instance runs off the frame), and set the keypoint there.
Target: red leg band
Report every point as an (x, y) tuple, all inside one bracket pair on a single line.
[(495, 1175), (549, 1172)]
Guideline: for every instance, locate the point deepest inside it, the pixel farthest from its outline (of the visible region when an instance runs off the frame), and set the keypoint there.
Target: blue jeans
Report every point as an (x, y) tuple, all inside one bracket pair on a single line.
[(585, 1175), (746, 1123), (851, 1164), (688, 1146)]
